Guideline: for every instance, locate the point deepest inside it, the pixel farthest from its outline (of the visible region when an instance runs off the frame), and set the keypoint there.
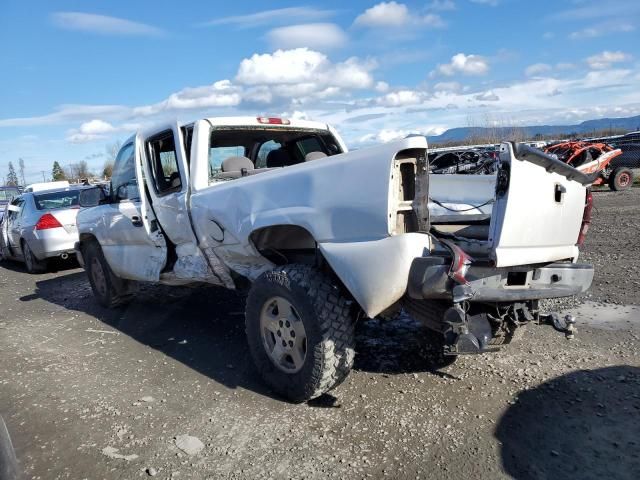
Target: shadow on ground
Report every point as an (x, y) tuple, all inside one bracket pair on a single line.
[(54, 265), (583, 425), (203, 327)]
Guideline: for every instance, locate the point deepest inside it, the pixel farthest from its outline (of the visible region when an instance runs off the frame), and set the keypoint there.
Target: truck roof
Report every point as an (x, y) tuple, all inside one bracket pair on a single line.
[(264, 121)]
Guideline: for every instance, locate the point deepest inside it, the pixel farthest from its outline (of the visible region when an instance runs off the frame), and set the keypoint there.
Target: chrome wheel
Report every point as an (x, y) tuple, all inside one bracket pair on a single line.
[(283, 334), (98, 277)]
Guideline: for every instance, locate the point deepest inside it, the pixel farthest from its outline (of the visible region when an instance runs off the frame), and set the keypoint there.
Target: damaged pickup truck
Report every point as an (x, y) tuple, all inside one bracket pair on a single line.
[(321, 237)]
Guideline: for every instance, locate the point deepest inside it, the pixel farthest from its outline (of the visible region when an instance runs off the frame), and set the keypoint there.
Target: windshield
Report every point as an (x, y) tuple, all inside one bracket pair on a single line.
[(53, 200), (7, 194)]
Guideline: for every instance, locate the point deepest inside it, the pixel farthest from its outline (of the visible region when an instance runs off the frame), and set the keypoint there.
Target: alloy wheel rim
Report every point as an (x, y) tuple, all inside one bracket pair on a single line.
[(99, 279), (283, 335), (623, 179)]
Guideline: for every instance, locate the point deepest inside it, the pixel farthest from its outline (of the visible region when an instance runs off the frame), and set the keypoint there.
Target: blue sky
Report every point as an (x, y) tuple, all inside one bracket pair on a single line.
[(78, 75)]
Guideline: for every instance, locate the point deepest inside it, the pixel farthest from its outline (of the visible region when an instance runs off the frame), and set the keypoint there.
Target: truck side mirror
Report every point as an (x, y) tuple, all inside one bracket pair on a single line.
[(91, 197), (122, 192), (13, 208)]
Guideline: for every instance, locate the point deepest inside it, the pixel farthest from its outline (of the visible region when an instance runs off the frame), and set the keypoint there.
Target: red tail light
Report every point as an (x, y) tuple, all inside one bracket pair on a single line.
[(460, 264), (47, 221), (273, 120), (586, 218)]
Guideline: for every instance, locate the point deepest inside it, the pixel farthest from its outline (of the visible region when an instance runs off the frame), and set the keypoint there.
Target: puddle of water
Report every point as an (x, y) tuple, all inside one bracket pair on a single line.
[(606, 317)]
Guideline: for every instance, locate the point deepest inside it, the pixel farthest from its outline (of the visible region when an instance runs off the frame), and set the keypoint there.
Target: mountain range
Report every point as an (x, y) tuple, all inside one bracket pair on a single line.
[(582, 129)]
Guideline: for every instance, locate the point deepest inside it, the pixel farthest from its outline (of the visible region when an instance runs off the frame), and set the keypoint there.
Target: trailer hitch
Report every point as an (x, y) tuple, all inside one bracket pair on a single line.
[(566, 325)]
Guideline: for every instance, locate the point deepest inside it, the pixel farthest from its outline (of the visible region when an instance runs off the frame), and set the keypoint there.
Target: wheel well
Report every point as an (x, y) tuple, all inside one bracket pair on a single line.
[(85, 239), (283, 244), (289, 244)]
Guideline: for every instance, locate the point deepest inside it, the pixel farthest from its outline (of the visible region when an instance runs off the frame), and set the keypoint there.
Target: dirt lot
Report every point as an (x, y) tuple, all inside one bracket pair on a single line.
[(91, 393)]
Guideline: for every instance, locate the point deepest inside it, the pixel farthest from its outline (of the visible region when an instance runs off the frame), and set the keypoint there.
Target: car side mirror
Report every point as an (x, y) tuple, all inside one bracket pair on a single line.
[(13, 208), (92, 197)]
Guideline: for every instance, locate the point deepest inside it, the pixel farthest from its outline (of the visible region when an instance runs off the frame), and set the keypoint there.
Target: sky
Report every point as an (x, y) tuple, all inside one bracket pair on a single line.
[(77, 76)]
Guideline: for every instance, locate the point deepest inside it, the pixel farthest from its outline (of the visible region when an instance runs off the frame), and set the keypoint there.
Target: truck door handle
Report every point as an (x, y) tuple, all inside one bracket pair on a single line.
[(136, 220)]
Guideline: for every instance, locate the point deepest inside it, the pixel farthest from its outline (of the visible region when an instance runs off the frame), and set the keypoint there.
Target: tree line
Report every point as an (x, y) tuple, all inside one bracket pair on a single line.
[(73, 172)]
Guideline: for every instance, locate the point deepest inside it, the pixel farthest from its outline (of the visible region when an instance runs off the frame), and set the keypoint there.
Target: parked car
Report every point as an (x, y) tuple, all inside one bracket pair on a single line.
[(630, 157), (6, 195), (321, 237), (39, 226)]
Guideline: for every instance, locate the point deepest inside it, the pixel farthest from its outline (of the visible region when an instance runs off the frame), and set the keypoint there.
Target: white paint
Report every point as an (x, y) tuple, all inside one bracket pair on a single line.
[(527, 225)]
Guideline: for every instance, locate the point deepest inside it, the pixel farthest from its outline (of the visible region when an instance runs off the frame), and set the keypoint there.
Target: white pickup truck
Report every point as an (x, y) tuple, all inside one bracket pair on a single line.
[(321, 237)]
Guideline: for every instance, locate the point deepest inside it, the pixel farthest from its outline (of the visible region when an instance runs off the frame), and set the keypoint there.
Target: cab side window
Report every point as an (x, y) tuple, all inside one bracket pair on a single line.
[(124, 184), (163, 161)]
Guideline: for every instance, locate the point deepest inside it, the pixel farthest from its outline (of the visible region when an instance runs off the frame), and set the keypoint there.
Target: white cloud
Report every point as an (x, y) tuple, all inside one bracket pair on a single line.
[(384, 14), (312, 35), (465, 64), (97, 129), (606, 59), (305, 69), (276, 16), (447, 87), (602, 29), (381, 87), (401, 98), (537, 69), (487, 96), (220, 94), (389, 135), (102, 24), (393, 15)]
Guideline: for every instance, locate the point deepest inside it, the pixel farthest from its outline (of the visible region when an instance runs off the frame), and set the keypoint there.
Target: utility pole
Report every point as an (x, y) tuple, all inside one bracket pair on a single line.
[(43, 172)]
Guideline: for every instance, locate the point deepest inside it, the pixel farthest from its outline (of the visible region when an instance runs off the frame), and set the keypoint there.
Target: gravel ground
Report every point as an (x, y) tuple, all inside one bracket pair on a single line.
[(165, 387)]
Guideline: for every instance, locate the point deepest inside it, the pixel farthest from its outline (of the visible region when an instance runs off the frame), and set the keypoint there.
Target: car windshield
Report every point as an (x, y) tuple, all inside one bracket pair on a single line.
[(7, 194), (53, 200)]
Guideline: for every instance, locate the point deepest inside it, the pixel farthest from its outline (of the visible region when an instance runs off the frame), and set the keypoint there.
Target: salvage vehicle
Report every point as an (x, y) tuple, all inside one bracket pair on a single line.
[(6, 195), (470, 161), (40, 225), (594, 157), (320, 237)]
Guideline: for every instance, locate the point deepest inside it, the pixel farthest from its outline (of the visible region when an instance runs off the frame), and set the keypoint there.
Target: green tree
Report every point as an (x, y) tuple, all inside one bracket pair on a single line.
[(57, 172), (12, 177)]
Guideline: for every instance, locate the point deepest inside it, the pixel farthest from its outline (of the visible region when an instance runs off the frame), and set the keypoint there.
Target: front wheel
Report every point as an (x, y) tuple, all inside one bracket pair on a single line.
[(621, 179), (300, 332), (110, 290)]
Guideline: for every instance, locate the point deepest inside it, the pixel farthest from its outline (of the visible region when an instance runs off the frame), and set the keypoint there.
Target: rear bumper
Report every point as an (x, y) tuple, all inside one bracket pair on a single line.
[(51, 243), (428, 279)]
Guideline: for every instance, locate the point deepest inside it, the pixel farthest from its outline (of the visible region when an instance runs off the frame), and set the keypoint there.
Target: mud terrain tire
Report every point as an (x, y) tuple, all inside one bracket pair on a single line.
[(621, 179), (110, 290), (328, 329)]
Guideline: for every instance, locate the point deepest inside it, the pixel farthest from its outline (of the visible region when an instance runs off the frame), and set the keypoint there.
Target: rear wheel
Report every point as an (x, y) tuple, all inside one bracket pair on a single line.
[(30, 261), (110, 290), (300, 332), (621, 179)]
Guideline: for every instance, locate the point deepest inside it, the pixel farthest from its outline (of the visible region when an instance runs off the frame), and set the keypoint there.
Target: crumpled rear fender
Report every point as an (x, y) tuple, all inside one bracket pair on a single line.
[(376, 272)]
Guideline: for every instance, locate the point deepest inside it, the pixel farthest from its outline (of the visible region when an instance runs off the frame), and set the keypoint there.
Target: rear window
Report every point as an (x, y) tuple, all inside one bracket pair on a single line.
[(7, 194), (53, 200)]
